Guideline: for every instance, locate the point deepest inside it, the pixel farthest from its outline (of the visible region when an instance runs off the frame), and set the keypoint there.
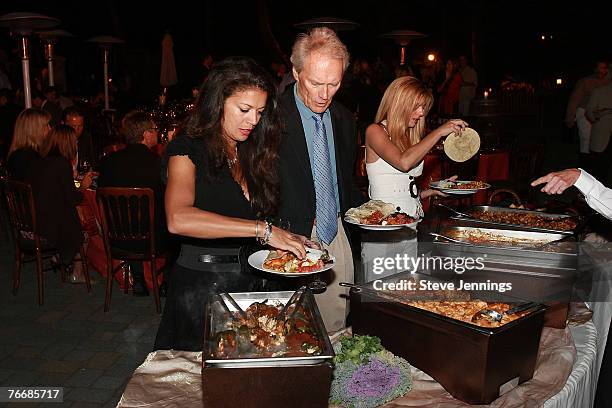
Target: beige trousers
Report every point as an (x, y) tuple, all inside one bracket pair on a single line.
[(333, 303)]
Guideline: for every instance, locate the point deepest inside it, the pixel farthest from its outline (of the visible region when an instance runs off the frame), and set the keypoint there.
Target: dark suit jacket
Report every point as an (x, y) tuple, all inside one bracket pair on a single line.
[(137, 166), (298, 200)]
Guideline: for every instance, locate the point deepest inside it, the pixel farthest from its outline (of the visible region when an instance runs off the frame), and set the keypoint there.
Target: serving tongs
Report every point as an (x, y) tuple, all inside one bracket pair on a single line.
[(496, 317), (459, 213), (227, 298), (296, 299)]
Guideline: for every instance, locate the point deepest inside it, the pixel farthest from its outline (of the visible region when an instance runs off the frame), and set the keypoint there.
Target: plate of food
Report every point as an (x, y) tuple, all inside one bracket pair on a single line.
[(459, 187), (378, 215), (286, 263)]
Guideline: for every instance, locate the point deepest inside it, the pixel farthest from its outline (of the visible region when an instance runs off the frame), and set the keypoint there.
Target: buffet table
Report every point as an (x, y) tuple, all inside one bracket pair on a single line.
[(565, 375), (173, 378)]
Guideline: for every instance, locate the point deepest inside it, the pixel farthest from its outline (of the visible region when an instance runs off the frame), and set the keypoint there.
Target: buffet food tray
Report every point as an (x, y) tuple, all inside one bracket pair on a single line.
[(474, 364), (503, 210), (214, 317), (516, 247)]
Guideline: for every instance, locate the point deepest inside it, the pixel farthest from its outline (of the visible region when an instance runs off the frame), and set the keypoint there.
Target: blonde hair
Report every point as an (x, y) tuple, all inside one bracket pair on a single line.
[(400, 100), (319, 39), (31, 127), (62, 139)]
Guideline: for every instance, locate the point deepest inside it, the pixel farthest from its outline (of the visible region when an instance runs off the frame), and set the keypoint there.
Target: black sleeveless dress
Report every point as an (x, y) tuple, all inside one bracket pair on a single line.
[(192, 282)]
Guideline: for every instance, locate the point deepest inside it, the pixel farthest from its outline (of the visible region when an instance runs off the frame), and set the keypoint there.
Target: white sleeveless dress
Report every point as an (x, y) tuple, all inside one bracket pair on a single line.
[(398, 188)]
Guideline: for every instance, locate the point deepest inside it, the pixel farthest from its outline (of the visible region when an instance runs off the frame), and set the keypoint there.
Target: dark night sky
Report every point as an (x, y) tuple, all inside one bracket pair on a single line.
[(507, 32)]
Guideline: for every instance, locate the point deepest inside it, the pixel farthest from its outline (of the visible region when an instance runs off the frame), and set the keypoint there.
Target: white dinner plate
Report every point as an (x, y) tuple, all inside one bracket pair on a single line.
[(381, 227), (442, 186), (257, 259)]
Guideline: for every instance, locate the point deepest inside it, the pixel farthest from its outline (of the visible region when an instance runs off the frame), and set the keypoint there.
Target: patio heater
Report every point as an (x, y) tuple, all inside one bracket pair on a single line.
[(23, 24), (105, 42), (403, 38), (50, 38), (336, 24)]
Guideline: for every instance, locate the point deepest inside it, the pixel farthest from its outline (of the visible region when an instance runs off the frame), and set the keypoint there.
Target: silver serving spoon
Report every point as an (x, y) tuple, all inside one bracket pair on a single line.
[(496, 317), (435, 234), (455, 211)]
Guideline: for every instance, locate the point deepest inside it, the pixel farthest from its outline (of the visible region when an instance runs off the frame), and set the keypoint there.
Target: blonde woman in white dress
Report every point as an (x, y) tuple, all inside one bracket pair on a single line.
[(395, 148)]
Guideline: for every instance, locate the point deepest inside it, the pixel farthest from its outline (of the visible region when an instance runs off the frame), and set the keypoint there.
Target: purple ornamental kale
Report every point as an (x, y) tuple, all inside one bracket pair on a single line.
[(373, 380)]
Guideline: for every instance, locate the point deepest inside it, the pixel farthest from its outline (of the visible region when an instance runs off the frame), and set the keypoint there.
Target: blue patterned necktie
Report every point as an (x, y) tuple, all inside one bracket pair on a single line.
[(327, 223)]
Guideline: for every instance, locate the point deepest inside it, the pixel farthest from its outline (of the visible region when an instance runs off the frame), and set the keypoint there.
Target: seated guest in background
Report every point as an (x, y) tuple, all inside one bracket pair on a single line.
[(86, 157), (51, 105), (137, 166), (9, 111), (56, 197), (31, 128)]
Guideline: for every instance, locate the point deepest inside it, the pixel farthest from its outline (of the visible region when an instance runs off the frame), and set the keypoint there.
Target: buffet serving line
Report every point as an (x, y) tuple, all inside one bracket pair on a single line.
[(473, 306), (548, 355)]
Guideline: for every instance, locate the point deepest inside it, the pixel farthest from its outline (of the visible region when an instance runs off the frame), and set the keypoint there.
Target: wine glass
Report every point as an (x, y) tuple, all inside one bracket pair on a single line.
[(85, 166)]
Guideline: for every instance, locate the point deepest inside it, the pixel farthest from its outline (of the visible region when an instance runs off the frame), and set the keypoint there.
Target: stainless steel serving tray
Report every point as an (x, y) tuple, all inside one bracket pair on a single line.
[(244, 300), (515, 226), (397, 297), (513, 255)]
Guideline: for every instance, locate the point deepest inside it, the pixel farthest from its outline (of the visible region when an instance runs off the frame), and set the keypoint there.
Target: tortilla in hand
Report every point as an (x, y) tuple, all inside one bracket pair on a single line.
[(464, 147)]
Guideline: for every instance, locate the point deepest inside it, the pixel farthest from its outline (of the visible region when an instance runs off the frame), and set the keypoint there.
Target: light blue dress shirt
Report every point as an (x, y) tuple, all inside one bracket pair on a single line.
[(308, 124)]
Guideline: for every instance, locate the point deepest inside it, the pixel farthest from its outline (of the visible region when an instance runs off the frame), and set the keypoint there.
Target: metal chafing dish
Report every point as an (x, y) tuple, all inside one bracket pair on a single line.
[(474, 364), (494, 209), (301, 382), (216, 317), (515, 247), (542, 273)]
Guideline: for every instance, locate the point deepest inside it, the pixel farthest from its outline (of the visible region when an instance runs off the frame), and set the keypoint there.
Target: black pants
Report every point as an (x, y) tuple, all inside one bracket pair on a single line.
[(601, 165), (189, 289)]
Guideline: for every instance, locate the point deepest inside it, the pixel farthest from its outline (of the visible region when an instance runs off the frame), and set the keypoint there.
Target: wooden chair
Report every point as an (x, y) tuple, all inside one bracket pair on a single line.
[(22, 219), (525, 165), (128, 218)]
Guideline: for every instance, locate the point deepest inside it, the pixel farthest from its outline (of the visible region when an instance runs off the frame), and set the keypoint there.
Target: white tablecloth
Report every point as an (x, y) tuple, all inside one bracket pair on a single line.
[(579, 390), (173, 379)]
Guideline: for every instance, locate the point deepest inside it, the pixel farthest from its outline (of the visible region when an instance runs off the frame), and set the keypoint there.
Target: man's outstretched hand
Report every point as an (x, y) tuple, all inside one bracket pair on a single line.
[(557, 182)]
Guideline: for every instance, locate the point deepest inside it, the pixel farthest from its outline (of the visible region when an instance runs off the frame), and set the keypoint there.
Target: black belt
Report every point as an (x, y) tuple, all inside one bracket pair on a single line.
[(209, 259), (218, 258)]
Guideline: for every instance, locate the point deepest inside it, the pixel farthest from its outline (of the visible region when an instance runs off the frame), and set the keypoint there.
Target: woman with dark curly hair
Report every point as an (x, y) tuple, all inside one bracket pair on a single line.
[(222, 186)]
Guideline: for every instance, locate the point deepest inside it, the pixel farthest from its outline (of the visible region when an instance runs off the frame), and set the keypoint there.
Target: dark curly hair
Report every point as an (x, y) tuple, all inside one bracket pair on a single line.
[(258, 155)]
